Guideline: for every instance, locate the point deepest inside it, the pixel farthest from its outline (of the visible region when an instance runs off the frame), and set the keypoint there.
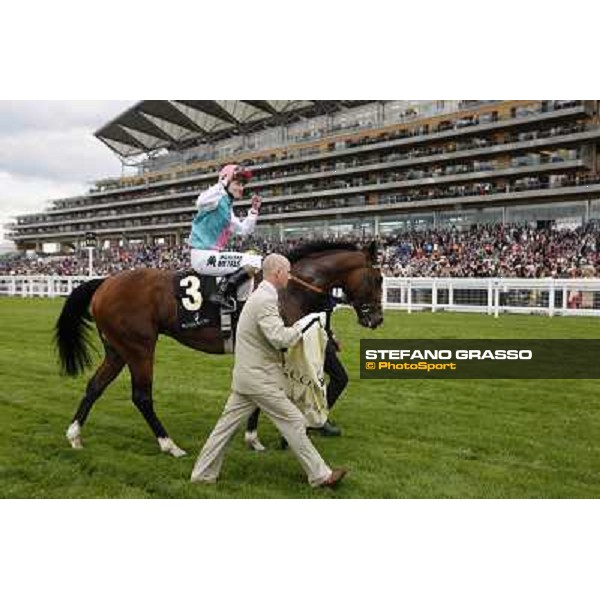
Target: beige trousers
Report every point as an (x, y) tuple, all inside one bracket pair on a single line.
[(284, 415)]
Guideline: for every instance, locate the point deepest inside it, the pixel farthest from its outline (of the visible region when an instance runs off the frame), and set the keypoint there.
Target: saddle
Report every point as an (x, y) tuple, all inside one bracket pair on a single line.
[(195, 311)]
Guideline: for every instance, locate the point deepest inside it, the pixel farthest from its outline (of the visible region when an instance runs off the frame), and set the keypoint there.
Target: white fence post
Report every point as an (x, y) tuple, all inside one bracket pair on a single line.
[(496, 299), (551, 294), (409, 292), (434, 296)]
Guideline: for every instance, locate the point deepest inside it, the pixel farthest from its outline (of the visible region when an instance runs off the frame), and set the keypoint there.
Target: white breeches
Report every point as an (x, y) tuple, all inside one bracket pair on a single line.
[(210, 262)]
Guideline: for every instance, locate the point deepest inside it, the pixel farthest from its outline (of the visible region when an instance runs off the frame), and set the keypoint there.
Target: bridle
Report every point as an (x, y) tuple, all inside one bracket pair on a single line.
[(308, 286), (363, 309)]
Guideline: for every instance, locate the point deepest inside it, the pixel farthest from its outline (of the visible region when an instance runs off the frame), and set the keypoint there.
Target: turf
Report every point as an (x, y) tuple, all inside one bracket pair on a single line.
[(417, 439)]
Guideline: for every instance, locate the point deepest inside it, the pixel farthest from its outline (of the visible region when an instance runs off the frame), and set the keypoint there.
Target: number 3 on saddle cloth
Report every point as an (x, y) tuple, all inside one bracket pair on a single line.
[(195, 311)]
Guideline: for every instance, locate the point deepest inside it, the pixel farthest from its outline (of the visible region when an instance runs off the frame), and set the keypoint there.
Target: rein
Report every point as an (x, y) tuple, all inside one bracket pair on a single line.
[(309, 286)]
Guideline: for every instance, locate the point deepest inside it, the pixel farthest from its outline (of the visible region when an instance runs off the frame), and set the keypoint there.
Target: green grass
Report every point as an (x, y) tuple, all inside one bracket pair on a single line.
[(417, 439)]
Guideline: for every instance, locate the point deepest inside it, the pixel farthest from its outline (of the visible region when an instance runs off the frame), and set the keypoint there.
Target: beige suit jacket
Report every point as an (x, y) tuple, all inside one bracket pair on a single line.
[(261, 337)]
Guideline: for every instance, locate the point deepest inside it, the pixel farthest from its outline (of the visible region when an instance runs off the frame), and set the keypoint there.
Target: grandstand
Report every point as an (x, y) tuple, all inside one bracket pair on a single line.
[(337, 168)]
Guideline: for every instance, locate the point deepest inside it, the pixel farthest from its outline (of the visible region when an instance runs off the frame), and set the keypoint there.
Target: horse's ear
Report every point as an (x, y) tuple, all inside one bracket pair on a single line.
[(371, 252)]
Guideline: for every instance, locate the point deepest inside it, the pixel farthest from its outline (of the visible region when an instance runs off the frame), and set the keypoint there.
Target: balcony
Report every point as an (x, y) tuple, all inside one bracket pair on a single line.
[(459, 130), (541, 193), (474, 176)]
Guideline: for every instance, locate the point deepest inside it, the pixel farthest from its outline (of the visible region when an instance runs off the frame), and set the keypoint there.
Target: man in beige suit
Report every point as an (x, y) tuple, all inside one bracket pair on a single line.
[(258, 381)]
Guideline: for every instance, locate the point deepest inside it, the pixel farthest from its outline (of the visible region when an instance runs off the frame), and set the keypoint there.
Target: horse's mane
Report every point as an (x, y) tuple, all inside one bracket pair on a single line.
[(320, 246)]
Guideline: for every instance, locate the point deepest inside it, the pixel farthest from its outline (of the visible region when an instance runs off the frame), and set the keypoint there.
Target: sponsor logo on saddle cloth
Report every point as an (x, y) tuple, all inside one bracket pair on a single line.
[(305, 378), (232, 261)]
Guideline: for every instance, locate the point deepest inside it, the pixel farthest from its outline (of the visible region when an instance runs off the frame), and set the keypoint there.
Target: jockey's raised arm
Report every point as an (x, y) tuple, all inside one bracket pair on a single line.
[(245, 226)]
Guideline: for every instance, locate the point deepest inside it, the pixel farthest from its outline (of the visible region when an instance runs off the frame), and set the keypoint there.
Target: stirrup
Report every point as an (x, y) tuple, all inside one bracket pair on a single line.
[(226, 304)]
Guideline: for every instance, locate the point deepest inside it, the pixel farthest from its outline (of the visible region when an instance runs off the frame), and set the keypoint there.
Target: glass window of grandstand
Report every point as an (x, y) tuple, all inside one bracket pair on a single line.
[(358, 118), (355, 228), (338, 230), (306, 130), (461, 219), (595, 209), (296, 232), (230, 146), (562, 214), (267, 232), (269, 138), (393, 224), (394, 111)]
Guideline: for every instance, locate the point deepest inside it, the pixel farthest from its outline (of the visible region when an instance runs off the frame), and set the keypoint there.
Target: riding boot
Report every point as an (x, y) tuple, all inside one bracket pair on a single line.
[(225, 294)]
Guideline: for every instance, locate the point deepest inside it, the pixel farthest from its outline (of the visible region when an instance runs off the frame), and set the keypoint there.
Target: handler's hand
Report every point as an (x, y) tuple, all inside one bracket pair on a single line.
[(256, 202)]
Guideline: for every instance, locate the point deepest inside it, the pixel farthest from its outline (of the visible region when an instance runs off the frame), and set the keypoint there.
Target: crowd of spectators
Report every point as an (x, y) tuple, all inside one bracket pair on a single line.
[(495, 251), (491, 250), (106, 262)]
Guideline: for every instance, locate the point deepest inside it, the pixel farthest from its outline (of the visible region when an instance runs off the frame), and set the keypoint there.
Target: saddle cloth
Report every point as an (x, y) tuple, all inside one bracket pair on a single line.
[(195, 311)]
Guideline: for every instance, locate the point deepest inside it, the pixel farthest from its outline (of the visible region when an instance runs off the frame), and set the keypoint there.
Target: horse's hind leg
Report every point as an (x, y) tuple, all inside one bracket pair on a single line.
[(141, 390), (251, 435), (103, 377)]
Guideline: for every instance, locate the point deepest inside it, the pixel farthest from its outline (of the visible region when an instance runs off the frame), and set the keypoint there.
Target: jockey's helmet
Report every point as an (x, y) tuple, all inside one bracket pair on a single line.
[(234, 172)]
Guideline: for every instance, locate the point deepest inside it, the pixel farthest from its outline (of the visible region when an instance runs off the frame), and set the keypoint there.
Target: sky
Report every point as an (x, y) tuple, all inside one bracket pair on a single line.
[(48, 151)]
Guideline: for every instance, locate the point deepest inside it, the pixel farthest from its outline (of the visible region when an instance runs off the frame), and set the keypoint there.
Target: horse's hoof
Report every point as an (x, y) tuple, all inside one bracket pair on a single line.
[(178, 452), (74, 435), (252, 442), (168, 446)]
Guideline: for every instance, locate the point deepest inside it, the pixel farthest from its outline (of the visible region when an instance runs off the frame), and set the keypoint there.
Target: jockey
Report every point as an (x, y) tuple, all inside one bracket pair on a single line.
[(212, 227)]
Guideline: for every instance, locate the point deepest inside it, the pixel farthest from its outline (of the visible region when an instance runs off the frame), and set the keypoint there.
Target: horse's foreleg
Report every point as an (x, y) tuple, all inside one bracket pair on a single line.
[(141, 388), (103, 377)]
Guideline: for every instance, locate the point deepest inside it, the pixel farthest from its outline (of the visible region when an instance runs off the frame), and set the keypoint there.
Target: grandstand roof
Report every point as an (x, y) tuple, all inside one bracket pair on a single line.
[(175, 124)]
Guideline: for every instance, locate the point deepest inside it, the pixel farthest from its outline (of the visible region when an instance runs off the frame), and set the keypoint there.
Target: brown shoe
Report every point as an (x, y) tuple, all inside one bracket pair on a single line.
[(336, 476)]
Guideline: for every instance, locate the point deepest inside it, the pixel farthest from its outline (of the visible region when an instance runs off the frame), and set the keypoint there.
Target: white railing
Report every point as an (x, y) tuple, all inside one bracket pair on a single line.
[(29, 286), (491, 296)]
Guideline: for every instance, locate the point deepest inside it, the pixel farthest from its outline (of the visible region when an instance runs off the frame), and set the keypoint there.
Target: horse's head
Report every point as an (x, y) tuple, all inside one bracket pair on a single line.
[(324, 266), (363, 289)]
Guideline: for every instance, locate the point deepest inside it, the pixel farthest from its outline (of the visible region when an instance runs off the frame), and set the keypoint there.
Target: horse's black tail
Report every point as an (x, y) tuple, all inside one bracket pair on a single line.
[(72, 329)]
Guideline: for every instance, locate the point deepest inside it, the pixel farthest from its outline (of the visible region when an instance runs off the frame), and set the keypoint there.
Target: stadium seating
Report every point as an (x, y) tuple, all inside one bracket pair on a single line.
[(511, 250)]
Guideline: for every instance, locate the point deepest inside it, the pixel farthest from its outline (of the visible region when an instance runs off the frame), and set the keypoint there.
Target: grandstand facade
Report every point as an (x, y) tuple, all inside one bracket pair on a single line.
[(338, 167)]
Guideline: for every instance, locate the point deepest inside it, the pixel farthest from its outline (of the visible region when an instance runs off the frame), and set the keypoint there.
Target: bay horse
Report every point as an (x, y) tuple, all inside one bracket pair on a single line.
[(132, 308)]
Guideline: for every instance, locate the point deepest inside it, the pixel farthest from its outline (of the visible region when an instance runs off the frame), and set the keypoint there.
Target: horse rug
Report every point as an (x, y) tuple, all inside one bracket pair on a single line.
[(305, 377)]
